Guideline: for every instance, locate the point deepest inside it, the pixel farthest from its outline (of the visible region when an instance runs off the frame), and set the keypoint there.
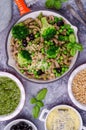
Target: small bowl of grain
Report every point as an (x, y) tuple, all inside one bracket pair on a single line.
[(77, 87)]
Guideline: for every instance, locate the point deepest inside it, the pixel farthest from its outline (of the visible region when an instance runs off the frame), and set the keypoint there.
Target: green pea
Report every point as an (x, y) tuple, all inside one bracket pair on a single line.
[(54, 71), (19, 42), (57, 32), (60, 18), (50, 43), (29, 70), (43, 50), (60, 30), (65, 52), (35, 72), (61, 58), (45, 41), (63, 27), (49, 64), (58, 75), (22, 71), (59, 61), (37, 76), (30, 43), (64, 69), (33, 53), (36, 35)]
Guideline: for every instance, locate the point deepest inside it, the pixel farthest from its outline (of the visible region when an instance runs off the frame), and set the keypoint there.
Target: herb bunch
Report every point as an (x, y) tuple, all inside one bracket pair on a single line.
[(54, 3), (38, 102)]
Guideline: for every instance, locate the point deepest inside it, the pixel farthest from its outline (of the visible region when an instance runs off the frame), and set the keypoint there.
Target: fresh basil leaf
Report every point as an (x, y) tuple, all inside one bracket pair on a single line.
[(35, 111), (41, 94), (72, 38), (54, 3), (69, 46), (49, 3), (40, 104), (57, 4), (73, 52), (79, 47), (33, 100)]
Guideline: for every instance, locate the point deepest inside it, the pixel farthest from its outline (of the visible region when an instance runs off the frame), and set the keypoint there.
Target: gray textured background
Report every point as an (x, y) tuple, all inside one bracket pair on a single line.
[(57, 91)]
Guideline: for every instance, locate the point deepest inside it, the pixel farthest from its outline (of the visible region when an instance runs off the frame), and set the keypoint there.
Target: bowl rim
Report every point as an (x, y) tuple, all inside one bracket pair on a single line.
[(23, 18), (22, 98), (19, 120), (73, 74)]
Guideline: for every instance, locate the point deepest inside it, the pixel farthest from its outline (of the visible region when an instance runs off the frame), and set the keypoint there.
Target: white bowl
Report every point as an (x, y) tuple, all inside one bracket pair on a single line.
[(45, 113), (22, 98), (17, 121), (11, 62), (77, 70)]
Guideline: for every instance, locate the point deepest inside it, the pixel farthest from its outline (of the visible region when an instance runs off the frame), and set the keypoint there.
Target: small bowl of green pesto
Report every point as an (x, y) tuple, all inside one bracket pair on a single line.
[(12, 96)]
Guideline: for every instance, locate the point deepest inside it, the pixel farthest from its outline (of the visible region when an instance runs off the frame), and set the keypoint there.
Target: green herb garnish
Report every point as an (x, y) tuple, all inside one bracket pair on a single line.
[(74, 47), (35, 111), (54, 3), (41, 94), (38, 102)]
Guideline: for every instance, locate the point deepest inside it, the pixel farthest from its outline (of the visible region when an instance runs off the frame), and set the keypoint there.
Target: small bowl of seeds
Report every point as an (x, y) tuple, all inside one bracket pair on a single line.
[(77, 87)]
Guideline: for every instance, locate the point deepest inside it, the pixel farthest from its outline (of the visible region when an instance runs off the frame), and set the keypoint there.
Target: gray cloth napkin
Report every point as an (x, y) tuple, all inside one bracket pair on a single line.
[(5, 13)]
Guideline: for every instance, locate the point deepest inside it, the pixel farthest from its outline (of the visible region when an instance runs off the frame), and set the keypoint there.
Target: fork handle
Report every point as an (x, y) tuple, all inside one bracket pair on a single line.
[(22, 7)]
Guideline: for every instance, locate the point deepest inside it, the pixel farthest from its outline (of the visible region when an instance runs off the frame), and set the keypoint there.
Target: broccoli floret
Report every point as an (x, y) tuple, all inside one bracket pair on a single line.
[(24, 58), (48, 30), (52, 51), (20, 31)]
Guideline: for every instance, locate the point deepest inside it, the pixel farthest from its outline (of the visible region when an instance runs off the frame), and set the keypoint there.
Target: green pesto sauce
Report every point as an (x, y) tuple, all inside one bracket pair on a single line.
[(9, 95)]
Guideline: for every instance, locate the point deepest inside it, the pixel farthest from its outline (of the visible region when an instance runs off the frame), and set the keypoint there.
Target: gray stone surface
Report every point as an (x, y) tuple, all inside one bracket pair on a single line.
[(57, 91), (5, 13)]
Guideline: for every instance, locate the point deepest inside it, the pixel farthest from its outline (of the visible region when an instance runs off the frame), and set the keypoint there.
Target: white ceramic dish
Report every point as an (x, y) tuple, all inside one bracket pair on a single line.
[(11, 61), (45, 113), (22, 98), (17, 121), (78, 104)]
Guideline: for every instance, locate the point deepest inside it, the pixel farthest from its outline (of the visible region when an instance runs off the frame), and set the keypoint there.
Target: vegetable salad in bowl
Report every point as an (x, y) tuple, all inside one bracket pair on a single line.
[(43, 47)]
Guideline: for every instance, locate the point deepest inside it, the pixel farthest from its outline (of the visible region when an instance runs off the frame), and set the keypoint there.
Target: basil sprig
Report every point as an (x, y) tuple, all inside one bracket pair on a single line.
[(38, 103), (73, 46)]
